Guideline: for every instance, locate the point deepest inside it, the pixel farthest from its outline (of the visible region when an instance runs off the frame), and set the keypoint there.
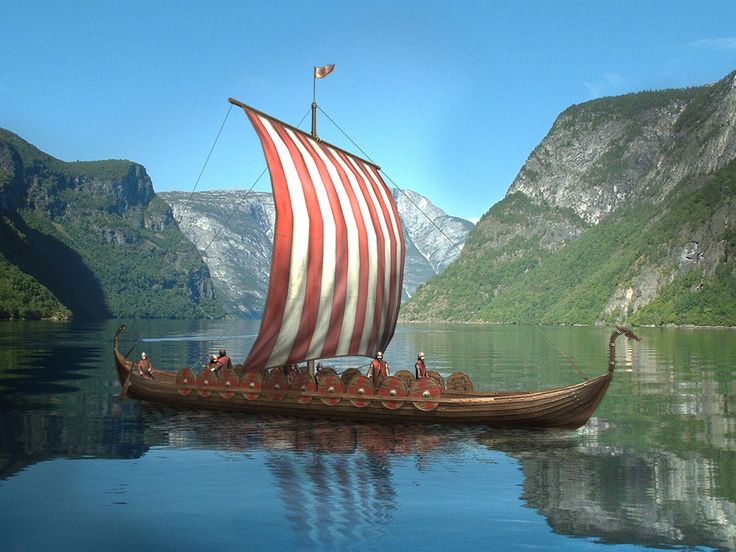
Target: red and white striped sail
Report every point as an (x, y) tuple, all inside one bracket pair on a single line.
[(338, 258)]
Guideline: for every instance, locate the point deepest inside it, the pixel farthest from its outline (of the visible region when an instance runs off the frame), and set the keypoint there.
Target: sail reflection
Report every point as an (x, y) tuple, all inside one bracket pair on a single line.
[(335, 479)]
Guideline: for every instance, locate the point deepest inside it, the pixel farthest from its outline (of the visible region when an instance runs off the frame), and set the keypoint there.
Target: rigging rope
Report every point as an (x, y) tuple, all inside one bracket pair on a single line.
[(417, 207), (201, 172), (240, 204), (572, 363), (188, 202)]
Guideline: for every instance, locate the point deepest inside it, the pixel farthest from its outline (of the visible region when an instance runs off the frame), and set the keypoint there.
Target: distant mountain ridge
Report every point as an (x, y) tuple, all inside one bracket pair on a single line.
[(434, 238), (91, 239), (624, 212), (233, 231)]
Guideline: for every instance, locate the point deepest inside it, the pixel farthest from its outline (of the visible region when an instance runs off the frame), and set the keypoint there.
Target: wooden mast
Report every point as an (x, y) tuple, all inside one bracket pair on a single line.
[(314, 103)]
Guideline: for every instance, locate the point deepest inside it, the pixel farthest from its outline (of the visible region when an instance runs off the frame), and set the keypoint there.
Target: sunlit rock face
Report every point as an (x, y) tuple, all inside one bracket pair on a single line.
[(233, 230)]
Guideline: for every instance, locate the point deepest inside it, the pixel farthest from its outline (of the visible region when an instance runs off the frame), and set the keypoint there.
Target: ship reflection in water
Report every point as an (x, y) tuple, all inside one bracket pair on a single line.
[(335, 479), (337, 483)]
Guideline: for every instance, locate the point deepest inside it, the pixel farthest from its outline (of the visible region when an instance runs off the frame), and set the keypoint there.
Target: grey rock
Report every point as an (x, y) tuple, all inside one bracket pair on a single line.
[(233, 231)]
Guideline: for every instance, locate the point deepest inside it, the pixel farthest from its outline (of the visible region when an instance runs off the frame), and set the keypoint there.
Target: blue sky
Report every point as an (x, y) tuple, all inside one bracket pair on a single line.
[(448, 97)]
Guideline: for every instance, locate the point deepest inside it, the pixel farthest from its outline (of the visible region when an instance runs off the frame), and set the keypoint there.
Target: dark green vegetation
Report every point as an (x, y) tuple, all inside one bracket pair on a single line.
[(660, 168), (90, 239)]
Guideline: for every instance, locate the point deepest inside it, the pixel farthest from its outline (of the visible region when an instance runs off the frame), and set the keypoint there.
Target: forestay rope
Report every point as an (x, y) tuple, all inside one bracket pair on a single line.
[(452, 242), (242, 202), (368, 157)]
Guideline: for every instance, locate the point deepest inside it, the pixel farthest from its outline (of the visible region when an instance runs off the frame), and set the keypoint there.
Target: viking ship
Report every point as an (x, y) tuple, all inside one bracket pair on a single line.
[(335, 291)]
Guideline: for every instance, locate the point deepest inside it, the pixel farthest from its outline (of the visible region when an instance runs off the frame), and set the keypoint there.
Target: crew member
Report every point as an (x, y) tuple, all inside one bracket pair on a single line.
[(144, 366), (378, 369), (224, 361), (420, 369)]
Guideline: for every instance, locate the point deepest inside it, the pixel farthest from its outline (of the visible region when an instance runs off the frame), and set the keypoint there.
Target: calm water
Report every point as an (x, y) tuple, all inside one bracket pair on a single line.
[(654, 468)]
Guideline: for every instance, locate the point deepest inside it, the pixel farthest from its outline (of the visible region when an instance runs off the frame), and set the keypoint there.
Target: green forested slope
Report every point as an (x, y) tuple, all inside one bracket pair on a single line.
[(91, 239), (625, 212)]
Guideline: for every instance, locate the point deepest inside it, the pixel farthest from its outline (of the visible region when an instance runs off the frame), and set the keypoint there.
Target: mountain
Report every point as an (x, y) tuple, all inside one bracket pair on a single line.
[(91, 239), (624, 212), (233, 230), (433, 238)]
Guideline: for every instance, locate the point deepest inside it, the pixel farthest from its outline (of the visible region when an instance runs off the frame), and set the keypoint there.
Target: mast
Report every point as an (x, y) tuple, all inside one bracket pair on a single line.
[(314, 103), (318, 73)]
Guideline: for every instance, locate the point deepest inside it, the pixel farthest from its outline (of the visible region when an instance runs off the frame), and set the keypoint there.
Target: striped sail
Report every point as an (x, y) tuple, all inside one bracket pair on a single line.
[(338, 257)]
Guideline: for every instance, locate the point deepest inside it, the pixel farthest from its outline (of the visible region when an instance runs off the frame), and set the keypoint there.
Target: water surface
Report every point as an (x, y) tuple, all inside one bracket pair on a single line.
[(654, 467)]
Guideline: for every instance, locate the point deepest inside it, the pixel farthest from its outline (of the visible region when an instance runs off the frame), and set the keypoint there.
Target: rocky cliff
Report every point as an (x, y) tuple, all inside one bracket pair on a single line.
[(433, 238), (233, 231), (624, 211), (91, 239)]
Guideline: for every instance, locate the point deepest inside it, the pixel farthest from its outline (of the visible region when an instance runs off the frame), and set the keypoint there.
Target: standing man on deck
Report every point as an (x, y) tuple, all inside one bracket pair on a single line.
[(224, 361), (420, 369), (378, 369), (144, 366)]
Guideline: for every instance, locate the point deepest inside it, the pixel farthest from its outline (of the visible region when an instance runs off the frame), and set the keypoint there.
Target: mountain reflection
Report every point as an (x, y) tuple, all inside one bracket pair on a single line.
[(622, 496)]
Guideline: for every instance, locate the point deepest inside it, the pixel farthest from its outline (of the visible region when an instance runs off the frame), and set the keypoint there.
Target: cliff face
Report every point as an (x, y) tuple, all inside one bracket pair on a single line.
[(233, 231), (623, 212), (94, 236), (606, 153), (433, 238)]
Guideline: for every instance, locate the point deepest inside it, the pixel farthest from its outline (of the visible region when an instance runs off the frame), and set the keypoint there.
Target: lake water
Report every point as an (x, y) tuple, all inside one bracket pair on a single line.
[(654, 468)]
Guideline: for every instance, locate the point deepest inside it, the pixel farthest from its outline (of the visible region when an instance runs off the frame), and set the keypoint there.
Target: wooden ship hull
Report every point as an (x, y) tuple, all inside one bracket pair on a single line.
[(567, 407)]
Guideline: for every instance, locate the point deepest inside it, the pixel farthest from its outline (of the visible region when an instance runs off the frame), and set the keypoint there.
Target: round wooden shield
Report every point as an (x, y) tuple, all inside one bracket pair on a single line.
[(406, 376), (459, 381), (324, 371), (185, 381), (361, 386), (276, 385), (206, 380), (425, 388), (302, 383), (251, 384), (347, 375), (330, 384), (436, 376), (227, 383), (392, 387)]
